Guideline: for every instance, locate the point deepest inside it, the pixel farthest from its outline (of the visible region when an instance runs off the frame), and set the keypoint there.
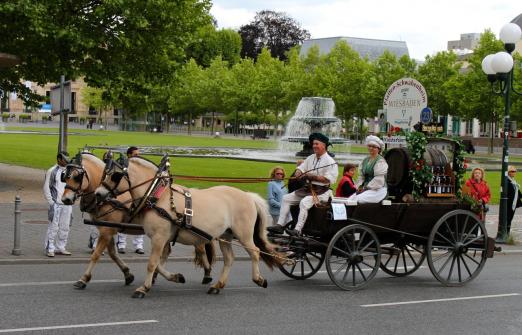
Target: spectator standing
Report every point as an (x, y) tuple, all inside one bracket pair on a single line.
[(59, 215), (137, 241), (479, 190), (514, 196), (276, 190)]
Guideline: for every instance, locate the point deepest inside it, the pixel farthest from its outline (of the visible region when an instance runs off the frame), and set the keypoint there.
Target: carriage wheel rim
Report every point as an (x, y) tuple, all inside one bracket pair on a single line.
[(353, 262), (460, 241), (409, 259), (307, 264)]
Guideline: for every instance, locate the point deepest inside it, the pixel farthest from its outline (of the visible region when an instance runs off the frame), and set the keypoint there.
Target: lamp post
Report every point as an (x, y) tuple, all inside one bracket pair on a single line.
[(499, 69)]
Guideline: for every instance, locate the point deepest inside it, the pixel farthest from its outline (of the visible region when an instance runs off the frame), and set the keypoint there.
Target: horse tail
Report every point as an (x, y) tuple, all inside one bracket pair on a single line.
[(210, 251), (269, 255)]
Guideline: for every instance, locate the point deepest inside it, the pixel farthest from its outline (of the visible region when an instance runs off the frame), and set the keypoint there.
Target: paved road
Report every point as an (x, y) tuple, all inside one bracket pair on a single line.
[(35, 296)]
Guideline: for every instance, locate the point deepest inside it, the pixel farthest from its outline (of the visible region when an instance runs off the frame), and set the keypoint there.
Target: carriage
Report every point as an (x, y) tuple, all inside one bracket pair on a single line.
[(397, 235)]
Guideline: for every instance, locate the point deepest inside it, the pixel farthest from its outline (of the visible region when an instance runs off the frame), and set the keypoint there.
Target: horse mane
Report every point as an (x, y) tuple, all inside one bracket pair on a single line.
[(92, 158), (144, 162)]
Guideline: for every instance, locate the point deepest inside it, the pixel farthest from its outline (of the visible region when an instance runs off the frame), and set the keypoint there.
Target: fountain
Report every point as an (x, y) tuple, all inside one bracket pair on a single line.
[(313, 114)]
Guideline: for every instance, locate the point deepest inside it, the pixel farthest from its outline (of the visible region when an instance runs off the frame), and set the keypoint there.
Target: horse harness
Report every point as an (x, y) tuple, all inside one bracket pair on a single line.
[(161, 182)]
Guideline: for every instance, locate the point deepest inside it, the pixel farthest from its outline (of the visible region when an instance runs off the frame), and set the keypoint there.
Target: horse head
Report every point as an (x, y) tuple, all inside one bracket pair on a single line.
[(110, 184), (76, 180)]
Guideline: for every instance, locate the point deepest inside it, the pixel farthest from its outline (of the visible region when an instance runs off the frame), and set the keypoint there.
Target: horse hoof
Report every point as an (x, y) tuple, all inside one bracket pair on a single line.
[(262, 282), (79, 285), (213, 290), (129, 279), (206, 280), (138, 295), (180, 278)]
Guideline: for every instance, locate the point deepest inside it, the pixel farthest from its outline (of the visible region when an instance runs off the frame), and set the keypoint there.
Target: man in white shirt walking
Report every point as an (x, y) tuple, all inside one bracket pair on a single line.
[(59, 215), (320, 170)]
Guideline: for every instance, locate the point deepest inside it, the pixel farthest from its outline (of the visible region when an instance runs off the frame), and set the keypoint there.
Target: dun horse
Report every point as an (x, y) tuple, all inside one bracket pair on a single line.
[(82, 177), (221, 212)]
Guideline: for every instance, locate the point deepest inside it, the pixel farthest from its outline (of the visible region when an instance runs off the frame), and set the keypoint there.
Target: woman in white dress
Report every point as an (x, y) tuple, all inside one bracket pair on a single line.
[(371, 181)]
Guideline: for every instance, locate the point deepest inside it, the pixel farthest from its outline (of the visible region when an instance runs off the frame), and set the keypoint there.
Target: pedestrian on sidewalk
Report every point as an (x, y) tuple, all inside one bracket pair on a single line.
[(137, 241), (479, 190), (59, 215), (514, 197)]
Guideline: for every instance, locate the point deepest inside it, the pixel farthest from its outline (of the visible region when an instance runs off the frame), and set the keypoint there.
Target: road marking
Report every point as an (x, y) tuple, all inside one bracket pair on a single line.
[(44, 283), (85, 325), (441, 300)]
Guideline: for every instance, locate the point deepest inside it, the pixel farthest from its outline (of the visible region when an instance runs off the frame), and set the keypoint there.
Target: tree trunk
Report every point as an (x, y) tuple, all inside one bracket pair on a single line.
[(189, 122), (212, 124)]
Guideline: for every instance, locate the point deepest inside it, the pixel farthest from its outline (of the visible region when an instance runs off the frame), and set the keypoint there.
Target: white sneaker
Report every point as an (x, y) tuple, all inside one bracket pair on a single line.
[(49, 253), (63, 252)]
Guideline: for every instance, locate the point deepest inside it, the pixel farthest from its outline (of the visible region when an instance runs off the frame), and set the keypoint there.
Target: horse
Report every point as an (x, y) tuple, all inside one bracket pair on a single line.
[(82, 177), (220, 212)]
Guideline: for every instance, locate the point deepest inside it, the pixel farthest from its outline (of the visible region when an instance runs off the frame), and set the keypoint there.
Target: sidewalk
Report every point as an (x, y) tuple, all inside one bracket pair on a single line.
[(27, 183)]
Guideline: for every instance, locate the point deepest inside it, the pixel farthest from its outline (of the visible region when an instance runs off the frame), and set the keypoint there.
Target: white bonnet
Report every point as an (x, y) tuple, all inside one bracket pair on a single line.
[(374, 140)]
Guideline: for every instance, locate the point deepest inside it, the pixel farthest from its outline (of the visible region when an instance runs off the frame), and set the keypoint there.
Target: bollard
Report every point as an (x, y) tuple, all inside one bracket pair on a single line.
[(17, 213)]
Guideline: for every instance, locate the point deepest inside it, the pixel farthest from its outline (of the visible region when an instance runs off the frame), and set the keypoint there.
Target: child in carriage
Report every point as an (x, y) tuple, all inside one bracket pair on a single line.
[(346, 185)]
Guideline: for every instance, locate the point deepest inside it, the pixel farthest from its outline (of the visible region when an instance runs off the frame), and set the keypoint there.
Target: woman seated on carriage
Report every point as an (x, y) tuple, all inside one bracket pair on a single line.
[(371, 182)]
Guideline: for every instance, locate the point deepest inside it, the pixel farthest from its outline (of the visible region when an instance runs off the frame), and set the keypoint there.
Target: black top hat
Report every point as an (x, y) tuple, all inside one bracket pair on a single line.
[(319, 137)]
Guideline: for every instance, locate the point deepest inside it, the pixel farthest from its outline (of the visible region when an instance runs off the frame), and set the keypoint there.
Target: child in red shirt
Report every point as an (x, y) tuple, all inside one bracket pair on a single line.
[(346, 185)]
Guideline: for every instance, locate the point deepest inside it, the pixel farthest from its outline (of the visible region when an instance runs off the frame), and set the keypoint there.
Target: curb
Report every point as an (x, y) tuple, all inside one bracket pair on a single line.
[(85, 260)]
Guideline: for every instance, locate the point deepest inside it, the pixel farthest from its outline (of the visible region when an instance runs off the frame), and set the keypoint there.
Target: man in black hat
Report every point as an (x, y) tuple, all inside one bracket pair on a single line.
[(59, 214), (320, 171)]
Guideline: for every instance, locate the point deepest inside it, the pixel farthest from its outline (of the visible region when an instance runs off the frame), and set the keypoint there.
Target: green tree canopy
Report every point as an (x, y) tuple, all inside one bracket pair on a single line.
[(123, 46)]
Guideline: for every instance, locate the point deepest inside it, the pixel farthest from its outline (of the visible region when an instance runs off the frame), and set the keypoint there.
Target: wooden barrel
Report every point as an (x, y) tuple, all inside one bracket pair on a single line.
[(399, 164)]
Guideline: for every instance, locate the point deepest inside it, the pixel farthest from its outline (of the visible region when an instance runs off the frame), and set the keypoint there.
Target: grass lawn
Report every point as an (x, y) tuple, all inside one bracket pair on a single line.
[(38, 151)]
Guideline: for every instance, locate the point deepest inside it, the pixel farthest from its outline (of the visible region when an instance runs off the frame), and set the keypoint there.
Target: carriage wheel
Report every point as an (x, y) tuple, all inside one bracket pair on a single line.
[(402, 258), (306, 260), (457, 248), (353, 257)]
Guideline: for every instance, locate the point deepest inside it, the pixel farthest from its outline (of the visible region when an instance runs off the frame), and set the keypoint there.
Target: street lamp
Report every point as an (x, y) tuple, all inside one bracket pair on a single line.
[(499, 68)]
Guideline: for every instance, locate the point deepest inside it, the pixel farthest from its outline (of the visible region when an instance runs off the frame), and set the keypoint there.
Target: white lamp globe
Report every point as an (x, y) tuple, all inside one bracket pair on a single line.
[(502, 62), (510, 33), (486, 65)]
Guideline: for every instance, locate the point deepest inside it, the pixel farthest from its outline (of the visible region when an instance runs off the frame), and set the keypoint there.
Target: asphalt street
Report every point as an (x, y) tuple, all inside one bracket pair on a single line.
[(40, 299)]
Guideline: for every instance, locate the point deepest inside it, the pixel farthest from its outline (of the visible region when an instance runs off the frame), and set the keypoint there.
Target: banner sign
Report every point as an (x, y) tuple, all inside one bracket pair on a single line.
[(403, 103)]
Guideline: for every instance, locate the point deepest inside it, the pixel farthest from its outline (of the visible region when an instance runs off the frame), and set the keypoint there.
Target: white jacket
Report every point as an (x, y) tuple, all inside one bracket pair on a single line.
[(53, 186)]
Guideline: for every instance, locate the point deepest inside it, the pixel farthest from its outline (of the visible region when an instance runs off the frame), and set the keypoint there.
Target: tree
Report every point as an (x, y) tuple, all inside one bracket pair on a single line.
[(436, 71), (187, 91), (273, 30), (211, 43), (123, 46)]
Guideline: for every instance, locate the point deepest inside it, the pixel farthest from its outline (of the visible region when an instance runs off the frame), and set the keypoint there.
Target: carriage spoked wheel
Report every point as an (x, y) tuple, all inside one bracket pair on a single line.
[(456, 248), (402, 258), (353, 257), (306, 261)]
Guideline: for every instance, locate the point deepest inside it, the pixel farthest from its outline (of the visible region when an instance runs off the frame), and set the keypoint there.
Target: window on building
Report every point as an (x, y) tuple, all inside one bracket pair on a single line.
[(92, 111), (47, 97), (469, 127), (116, 112)]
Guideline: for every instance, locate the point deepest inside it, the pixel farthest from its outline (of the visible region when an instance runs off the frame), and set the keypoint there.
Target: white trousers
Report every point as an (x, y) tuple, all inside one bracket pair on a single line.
[(58, 228), (370, 196), (137, 241), (305, 203)]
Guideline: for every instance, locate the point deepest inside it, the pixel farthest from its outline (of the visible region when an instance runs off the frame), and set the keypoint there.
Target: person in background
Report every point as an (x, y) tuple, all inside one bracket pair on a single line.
[(371, 182), (479, 190), (137, 241), (514, 196), (59, 215), (276, 190), (346, 185)]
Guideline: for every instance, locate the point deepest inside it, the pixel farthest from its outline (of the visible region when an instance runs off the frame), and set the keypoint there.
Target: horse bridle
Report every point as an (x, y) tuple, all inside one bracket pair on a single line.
[(81, 173)]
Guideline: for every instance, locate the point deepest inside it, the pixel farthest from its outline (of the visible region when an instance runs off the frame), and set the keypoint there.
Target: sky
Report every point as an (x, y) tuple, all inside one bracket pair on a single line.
[(426, 26)]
